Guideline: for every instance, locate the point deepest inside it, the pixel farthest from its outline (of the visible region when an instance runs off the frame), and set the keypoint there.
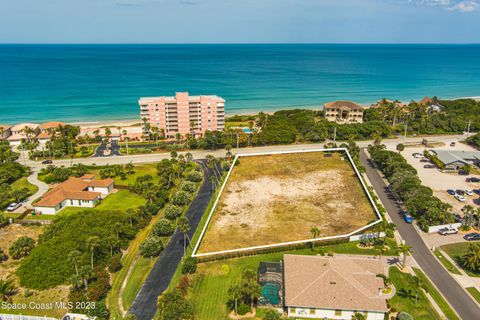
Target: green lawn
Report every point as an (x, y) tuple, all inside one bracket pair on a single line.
[(475, 293), (446, 263), (23, 183), (441, 302), (404, 300), (140, 170), (456, 251), (122, 200)]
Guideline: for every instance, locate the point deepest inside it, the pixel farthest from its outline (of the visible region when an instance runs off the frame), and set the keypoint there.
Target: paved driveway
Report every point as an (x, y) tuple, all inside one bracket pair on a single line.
[(145, 304), (461, 301)]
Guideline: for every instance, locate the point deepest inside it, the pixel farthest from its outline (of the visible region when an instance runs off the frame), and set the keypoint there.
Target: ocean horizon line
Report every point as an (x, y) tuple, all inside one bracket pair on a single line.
[(240, 43)]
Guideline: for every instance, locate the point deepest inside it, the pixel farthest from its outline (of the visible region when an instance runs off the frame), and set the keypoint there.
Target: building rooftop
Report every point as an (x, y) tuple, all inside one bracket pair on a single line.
[(347, 105), (180, 94), (51, 125), (5, 126), (450, 156), (339, 282), (21, 126), (73, 188)]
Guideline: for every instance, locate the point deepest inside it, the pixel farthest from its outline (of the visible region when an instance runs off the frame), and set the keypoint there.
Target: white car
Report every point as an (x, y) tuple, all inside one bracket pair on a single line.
[(468, 192), (447, 231), (13, 206), (418, 155), (460, 198)]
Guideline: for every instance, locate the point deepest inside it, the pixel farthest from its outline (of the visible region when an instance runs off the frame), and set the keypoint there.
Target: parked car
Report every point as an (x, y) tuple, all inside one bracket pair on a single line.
[(429, 166), (468, 192), (48, 161), (447, 231), (13, 206), (451, 192), (452, 144), (460, 192), (472, 236), (424, 160), (473, 179), (460, 198), (417, 155), (457, 217), (407, 217)]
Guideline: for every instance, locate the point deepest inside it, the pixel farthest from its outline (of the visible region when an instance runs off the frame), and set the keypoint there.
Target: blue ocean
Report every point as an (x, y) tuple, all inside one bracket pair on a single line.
[(104, 82)]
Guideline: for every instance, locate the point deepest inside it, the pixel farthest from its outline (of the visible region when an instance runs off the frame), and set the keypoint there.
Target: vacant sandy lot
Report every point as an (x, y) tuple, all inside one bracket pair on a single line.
[(278, 198)]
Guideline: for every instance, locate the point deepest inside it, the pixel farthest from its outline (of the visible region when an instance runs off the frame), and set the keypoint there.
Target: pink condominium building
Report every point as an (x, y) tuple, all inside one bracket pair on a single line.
[(183, 114)]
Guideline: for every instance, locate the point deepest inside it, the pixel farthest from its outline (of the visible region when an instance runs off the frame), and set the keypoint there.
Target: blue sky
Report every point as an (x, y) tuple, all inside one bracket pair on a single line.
[(239, 21)]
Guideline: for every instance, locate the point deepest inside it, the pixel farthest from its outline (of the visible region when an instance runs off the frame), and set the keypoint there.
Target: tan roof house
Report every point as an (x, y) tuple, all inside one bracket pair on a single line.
[(334, 287), (343, 112), (47, 129), (75, 192), (19, 132)]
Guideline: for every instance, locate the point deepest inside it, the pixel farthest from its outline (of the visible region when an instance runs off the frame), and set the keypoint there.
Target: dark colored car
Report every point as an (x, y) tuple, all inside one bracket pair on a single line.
[(473, 179), (451, 192), (47, 161), (424, 160), (460, 192), (429, 166), (472, 236)]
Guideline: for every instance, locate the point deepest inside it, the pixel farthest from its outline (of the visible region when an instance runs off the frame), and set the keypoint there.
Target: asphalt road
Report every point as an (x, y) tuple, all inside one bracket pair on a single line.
[(201, 154), (145, 305), (465, 307)]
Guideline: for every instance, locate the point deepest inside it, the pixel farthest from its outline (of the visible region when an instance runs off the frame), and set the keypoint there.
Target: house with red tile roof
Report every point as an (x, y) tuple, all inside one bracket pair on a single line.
[(83, 192)]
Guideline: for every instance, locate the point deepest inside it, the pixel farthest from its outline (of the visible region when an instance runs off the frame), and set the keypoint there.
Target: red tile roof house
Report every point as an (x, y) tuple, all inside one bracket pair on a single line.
[(84, 192), (321, 287)]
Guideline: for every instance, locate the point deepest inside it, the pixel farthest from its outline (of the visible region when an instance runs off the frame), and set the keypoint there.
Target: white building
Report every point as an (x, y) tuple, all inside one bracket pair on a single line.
[(75, 192), (336, 287)]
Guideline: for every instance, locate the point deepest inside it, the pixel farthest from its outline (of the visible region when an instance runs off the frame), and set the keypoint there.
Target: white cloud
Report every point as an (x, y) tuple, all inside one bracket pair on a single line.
[(450, 5)]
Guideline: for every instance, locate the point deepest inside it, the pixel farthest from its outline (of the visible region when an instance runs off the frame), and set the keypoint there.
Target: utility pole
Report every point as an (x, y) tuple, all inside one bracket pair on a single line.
[(334, 136), (468, 128), (405, 135)]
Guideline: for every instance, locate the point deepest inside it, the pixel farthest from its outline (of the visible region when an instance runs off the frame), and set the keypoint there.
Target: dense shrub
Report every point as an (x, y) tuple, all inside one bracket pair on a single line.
[(3, 256), (243, 309), (181, 198), (189, 265), (21, 247), (172, 212), (189, 186), (115, 263), (173, 306), (194, 176), (163, 228), (404, 316), (152, 247), (99, 285), (48, 265), (271, 315)]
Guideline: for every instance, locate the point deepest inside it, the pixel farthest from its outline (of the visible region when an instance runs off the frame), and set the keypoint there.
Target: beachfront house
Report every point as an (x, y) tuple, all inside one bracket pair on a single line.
[(324, 287), (23, 131), (343, 112), (83, 192), (47, 130)]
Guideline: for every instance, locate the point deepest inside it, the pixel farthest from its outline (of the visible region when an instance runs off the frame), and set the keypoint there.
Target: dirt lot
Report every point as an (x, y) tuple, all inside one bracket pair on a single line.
[(439, 181), (278, 198)]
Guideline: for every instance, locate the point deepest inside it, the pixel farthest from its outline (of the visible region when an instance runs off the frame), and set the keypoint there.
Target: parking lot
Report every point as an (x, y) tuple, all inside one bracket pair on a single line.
[(439, 181)]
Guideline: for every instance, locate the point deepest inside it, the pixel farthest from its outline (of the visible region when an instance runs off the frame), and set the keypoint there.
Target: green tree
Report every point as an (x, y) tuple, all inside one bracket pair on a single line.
[(93, 243), (173, 306), (151, 247), (85, 273), (418, 284), (358, 316), (163, 228), (184, 227), (73, 257), (7, 289), (271, 314), (315, 231), (405, 250), (21, 247), (235, 293), (400, 147), (471, 259)]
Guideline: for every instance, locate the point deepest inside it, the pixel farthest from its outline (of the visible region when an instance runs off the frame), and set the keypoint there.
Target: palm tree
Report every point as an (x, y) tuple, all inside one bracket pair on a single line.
[(315, 232), (417, 282), (213, 181), (73, 257), (76, 281), (184, 227), (188, 156), (93, 243), (468, 219), (405, 250), (235, 293), (471, 259), (124, 132), (7, 289), (85, 274)]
